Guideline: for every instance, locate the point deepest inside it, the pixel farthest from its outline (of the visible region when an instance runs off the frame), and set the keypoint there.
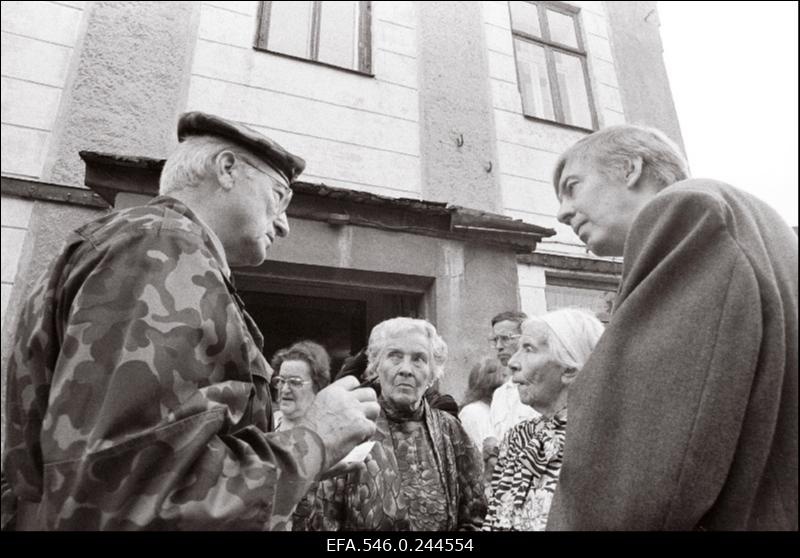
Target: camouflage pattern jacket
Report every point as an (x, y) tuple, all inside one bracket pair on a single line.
[(376, 498), (137, 394)]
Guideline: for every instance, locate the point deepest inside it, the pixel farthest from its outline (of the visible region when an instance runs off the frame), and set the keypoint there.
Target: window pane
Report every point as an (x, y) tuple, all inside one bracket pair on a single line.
[(562, 28), (525, 18), (338, 34), (572, 90), (533, 81), (290, 28)]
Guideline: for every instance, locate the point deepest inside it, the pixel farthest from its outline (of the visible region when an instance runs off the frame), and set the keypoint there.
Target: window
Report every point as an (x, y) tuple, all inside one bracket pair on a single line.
[(551, 63), (332, 33)]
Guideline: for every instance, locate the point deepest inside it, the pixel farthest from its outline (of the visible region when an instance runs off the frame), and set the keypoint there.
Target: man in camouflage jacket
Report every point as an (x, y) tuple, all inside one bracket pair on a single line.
[(137, 391)]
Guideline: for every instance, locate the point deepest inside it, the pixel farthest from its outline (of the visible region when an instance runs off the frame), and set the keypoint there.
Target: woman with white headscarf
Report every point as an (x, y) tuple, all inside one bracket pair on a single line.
[(552, 350)]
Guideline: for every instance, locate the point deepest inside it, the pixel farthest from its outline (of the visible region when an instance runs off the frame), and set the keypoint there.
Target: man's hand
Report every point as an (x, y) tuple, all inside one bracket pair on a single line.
[(343, 415)]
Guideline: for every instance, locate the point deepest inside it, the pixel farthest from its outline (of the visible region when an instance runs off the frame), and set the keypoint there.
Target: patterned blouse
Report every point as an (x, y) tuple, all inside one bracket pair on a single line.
[(525, 477), (423, 474)]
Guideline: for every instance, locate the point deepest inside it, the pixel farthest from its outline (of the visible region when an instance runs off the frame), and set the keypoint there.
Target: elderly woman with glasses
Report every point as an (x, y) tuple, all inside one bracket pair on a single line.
[(423, 473), (552, 350), (302, 370)]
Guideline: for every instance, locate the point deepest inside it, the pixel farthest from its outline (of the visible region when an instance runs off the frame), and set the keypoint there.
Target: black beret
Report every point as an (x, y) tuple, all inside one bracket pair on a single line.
[(197, 123)]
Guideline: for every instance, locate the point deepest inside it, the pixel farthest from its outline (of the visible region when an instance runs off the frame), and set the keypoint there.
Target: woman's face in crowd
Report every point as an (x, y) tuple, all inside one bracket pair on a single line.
[(405, 368), (537, 374), (294, 401)]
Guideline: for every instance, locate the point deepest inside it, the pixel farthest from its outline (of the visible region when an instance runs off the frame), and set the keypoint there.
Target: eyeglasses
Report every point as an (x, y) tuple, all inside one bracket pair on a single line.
[(281, 193), (503, 340), (294, 383)]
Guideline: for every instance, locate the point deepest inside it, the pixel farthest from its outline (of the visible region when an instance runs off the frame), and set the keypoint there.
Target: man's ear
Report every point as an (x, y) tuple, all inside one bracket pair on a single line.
[(568, 375), (633, 171), (223, 167)]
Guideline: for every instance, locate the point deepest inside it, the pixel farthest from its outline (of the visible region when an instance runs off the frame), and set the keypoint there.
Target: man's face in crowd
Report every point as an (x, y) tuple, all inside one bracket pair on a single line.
[(504, 338), (596, 203), (257, 211)]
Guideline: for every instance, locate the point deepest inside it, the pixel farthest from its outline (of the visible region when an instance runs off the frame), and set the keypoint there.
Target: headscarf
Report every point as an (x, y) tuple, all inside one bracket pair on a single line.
[(573, 334)]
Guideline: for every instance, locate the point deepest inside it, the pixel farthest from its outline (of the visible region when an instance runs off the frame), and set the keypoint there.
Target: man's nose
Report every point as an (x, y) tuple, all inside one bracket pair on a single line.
[(565, 212), (282, 225), (514, 364)]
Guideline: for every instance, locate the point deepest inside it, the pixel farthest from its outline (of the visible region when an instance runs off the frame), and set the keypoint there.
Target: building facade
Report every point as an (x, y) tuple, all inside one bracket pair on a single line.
[(430, 131)]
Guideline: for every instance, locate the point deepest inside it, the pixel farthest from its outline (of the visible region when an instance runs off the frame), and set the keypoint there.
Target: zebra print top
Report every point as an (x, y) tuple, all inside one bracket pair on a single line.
[(526, 474)]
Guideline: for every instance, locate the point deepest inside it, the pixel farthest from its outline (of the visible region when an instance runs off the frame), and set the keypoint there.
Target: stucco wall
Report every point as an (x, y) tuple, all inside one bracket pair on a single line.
[(354, 131), (473, 282), (637, 48), (456, 107), (129, 84)]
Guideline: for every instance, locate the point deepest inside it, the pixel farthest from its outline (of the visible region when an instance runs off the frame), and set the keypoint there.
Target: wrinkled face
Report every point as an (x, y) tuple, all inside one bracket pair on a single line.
[(295, 400), (405, 368), (595, 204), (537, 375), (505, 336), (257, 211)]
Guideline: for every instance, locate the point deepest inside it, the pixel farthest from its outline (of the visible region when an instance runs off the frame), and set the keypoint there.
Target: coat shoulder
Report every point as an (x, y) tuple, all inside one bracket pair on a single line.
[(148, 220)]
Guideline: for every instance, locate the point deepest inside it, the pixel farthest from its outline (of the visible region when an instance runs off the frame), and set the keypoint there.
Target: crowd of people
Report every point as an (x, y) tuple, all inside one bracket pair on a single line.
[(139, 396)]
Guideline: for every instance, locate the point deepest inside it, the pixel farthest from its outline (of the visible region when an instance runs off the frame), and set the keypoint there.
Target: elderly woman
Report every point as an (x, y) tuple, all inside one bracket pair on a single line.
[(552, 350), (423, 473), (302, 370)]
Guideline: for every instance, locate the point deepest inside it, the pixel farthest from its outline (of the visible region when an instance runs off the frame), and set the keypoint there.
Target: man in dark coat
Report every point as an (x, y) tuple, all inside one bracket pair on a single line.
[(685, 416)]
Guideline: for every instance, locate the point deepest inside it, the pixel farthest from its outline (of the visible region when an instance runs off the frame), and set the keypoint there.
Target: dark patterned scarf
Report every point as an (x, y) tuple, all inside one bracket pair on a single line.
[(401, 414)]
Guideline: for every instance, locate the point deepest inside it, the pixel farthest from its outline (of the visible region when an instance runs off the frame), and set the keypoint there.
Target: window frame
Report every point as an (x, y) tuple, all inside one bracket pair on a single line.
[(549, 46), (364, 37)]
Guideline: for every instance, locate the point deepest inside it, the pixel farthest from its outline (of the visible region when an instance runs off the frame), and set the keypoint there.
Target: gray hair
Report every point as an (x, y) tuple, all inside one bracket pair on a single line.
[(389, 328), (611, 147), (571, 333), (194, 160)]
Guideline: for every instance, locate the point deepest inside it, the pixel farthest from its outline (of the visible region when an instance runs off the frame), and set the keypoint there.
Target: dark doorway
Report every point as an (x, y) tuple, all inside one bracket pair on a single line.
[(335, 307), (336, 324)]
